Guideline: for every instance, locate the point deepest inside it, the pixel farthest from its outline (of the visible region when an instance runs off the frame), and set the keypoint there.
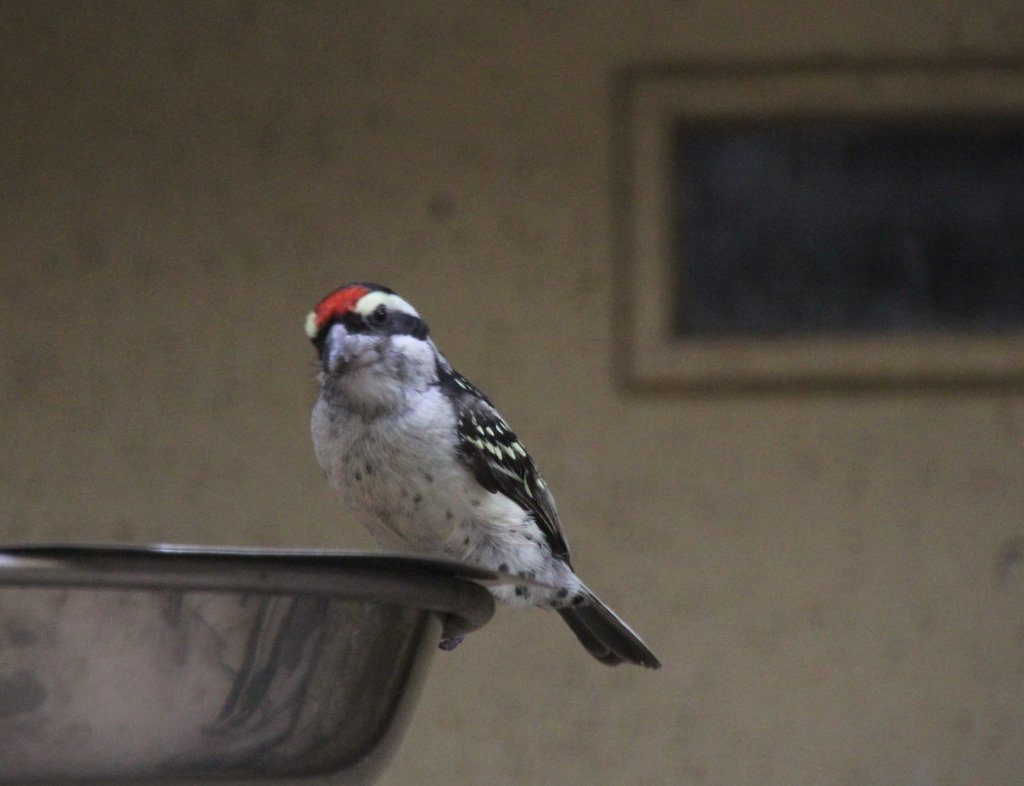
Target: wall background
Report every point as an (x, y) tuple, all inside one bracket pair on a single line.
[(830, 580)]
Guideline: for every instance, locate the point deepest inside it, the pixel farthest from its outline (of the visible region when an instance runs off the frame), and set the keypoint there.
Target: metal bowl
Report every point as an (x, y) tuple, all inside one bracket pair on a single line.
[(193, 663)]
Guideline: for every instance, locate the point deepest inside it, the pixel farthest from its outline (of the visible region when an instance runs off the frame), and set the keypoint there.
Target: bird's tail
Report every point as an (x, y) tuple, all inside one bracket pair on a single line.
[(605, 636)]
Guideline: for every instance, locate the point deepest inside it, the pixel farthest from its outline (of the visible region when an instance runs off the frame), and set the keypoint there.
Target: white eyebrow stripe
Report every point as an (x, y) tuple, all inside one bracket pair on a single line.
[(368, 303), (311, 326)]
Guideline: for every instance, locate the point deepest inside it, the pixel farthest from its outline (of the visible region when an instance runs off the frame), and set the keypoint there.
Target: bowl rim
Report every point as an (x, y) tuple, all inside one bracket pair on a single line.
[(454, 590)]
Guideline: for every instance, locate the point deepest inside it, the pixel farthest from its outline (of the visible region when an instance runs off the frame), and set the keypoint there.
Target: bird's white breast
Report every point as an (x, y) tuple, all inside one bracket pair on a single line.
[(397, 472), (399, 475)]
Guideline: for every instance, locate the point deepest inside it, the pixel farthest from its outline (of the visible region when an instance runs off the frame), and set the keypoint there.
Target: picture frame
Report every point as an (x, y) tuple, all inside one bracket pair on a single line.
[(648, 103)]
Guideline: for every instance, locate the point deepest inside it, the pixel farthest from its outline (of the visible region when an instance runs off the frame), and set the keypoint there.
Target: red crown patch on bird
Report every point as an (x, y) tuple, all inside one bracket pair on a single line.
[(334, 306)]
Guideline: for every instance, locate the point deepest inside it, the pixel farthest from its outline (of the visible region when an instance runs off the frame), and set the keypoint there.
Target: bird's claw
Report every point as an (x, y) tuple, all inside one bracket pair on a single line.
[(450, 643)]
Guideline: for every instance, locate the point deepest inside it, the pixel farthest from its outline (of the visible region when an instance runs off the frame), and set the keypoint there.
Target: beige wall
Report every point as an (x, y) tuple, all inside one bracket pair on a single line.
[(179, 182)]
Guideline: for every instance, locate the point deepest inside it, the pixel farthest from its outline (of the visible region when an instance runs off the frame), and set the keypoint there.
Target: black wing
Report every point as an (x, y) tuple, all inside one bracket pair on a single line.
[(498, 460)]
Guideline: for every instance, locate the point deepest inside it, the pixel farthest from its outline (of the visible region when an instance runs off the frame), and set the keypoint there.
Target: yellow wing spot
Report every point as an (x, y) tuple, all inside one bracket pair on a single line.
[(489, 431), (519, 449)]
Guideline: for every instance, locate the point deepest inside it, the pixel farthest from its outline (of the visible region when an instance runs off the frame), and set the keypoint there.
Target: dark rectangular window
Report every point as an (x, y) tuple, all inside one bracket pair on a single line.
[(848, 228)]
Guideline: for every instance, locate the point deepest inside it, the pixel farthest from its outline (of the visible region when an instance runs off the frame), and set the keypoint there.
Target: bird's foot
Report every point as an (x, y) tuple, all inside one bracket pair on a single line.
[(450, 643)]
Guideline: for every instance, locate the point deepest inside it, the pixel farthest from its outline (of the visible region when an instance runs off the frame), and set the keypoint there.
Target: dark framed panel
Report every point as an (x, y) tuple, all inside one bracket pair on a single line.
[(822, 225)]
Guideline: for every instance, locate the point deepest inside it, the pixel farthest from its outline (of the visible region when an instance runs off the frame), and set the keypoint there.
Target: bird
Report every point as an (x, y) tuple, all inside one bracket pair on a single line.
[(423, 459)]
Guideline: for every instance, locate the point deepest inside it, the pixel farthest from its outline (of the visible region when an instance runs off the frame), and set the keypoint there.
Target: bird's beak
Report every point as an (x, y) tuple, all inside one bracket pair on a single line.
[(340, 349)]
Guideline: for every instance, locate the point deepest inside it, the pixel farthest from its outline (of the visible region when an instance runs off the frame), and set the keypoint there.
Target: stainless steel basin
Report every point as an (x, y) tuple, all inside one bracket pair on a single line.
[(193, 663)]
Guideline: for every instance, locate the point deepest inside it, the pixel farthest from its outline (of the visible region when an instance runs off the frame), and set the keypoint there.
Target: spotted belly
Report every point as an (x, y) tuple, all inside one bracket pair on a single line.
[(405, 510)]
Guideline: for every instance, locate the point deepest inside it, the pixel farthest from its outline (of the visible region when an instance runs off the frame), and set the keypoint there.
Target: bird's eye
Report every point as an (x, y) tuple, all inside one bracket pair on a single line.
[(379, 316)]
